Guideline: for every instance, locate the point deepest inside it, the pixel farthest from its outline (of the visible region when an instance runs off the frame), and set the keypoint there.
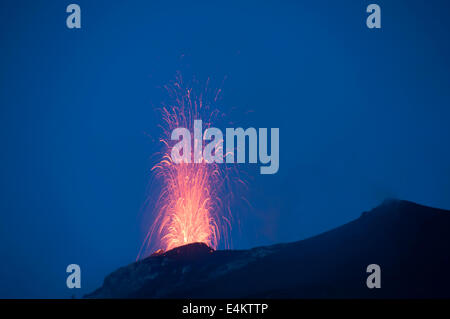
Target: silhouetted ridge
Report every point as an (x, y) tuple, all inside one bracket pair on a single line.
[(193, 250), (410, 242), (403, 207)]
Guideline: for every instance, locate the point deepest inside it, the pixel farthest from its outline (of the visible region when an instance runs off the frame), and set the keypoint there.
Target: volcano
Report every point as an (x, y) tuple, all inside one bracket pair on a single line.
[(410, 243)]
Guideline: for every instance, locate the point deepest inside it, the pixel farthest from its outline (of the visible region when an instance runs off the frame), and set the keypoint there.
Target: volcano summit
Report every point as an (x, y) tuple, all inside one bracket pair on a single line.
[(409, 241)]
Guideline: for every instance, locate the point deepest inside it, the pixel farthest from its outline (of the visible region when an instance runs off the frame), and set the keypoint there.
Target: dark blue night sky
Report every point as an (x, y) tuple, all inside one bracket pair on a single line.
[(363, 116)]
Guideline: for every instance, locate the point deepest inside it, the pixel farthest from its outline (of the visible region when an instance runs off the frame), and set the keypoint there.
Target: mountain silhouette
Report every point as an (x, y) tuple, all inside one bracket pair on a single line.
[(410, 243)]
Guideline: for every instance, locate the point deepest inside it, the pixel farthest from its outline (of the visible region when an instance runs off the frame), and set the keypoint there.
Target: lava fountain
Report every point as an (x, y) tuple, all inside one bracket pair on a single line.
[(193, 204)]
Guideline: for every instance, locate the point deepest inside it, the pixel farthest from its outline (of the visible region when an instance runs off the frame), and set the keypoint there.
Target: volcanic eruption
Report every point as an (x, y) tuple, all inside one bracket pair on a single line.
[(193, 200)]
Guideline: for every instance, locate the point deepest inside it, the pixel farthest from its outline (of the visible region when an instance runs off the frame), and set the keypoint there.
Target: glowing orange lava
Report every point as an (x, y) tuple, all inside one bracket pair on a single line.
[(193, 201)]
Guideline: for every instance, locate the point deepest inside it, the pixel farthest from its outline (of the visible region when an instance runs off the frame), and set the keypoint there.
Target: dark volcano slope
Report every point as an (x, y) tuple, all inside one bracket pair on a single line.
[(411, 243)]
